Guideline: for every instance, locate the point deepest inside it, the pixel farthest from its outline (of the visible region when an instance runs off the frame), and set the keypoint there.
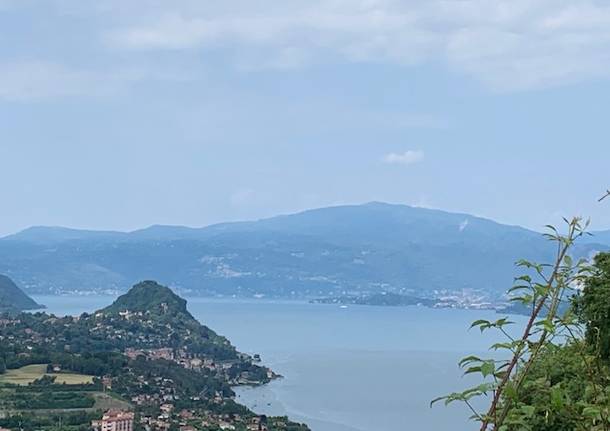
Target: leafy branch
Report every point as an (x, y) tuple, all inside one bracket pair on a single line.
[(543, 288)]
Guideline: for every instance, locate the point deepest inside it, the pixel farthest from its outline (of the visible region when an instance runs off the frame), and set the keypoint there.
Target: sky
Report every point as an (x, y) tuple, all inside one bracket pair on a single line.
[(118, 114)]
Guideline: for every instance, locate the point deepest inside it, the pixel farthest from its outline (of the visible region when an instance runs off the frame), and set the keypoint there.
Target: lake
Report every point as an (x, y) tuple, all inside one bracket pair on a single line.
[(358, 368)]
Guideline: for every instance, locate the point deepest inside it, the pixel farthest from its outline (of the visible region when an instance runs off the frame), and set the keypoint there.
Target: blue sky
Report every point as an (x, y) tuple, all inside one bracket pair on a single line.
[(119, 115)]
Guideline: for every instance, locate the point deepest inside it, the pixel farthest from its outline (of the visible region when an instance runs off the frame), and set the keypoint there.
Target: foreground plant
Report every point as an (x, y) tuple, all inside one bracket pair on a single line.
[(545, 290)]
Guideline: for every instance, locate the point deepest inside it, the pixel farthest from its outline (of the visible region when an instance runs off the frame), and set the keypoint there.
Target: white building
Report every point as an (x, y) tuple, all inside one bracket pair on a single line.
[(114, 420)]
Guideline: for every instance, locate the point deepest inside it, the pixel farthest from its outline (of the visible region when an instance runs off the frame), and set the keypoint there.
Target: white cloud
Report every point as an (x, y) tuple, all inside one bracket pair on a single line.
[(507, 44), (407, 158)]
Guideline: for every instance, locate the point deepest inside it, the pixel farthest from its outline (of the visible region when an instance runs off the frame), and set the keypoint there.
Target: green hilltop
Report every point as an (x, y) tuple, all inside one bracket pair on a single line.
[(158, 308), (149, 296)]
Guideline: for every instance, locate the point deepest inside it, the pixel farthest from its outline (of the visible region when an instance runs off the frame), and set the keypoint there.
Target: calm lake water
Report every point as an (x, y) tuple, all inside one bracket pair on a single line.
[(345, 369)]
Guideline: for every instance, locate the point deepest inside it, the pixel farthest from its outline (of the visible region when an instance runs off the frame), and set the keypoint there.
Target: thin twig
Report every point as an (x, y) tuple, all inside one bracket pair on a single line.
[(472, 409)]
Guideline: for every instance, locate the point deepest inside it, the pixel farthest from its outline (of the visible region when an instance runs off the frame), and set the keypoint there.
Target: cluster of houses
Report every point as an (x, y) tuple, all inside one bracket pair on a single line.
[(168, 418), (7, 322), (33, 336), (164, 390), (162, 353), (114, 420), (196, 363), (186, 420), (180, 357)]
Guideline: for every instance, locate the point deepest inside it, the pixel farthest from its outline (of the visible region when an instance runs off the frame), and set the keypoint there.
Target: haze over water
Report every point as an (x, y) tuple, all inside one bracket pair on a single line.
[(346, 369)]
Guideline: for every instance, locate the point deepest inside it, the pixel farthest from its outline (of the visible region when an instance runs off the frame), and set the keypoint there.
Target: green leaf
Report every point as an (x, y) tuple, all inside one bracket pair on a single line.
[(557, 397), (592, 412), (505, 346), (469, 360), (481, 323), (472, 370), (502, 322), (488, 368)]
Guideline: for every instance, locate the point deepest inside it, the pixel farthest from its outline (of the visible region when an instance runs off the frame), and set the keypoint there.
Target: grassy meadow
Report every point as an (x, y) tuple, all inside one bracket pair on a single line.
[(28, 374)]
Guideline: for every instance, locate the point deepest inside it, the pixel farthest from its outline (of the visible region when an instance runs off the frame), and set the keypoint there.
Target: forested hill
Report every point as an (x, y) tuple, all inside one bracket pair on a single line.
[(150, 297), (362, 249), (149, 316), (149, 301), (14, 299)]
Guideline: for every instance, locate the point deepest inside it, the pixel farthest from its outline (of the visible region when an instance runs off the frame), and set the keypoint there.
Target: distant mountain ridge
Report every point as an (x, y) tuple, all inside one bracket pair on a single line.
[(340, 250), (599, 237), (51, 234), (320, 221), (14, 299)]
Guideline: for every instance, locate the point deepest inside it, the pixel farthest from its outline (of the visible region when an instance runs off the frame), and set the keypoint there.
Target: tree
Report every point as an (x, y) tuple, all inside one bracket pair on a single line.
[(593, 306)]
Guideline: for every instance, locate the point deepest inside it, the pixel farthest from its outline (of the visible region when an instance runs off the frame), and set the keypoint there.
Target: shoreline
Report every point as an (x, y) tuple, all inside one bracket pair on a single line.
[(255, 398)]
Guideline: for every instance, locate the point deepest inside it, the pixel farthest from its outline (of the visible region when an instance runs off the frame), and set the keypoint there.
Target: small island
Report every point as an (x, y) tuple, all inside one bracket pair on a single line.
[(377, 299), (143, 363)]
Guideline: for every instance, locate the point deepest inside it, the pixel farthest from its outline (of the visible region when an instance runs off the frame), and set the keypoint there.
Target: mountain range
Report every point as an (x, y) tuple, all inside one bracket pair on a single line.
[(360, 249)]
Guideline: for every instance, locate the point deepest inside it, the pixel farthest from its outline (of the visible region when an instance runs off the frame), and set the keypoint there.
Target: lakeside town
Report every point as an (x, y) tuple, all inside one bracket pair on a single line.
[(143, 363)]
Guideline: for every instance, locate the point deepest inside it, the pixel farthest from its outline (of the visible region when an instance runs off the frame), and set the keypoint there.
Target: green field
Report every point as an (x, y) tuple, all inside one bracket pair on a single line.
[(105, 401), (17, 396), (9, 403), (26, 375)]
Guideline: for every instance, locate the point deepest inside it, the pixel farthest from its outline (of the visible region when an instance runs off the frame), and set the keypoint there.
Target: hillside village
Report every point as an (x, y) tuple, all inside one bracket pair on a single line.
[(153, 364)]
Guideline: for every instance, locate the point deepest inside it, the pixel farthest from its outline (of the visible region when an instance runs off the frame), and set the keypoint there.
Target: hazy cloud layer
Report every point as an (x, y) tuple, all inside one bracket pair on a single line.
[(508, 45)]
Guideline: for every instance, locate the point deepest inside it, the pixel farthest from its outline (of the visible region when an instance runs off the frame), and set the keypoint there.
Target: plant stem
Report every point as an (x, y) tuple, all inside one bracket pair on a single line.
[(492, 412)]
